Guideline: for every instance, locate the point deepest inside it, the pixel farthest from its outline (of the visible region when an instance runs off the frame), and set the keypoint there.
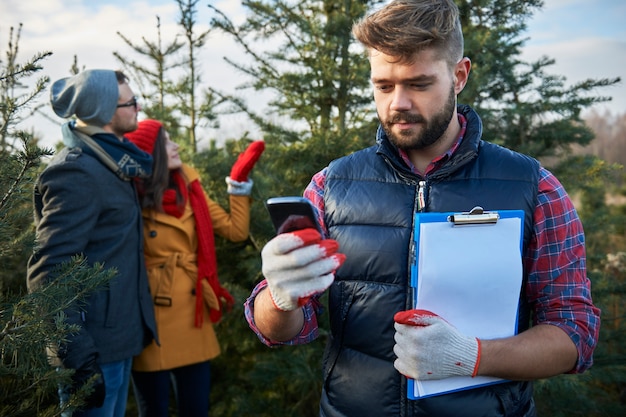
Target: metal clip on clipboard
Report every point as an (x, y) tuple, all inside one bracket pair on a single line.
[(475, 216)]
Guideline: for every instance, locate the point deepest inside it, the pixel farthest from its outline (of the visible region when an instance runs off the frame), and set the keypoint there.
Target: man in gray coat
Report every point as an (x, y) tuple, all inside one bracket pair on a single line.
[(85, 204)]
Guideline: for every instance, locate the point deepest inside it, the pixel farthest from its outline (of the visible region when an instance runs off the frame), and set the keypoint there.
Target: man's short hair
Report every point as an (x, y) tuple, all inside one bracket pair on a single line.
[(403, 28)]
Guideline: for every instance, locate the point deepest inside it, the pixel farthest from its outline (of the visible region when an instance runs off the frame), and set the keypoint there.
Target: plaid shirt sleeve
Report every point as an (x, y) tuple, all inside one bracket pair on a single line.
[(315, 194), (309, 331), (558, 288), (313, 308)]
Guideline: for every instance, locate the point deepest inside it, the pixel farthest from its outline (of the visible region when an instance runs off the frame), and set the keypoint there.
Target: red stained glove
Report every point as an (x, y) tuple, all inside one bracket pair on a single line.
[(413, 317), (298, 265), (246, 160), (428, 347)]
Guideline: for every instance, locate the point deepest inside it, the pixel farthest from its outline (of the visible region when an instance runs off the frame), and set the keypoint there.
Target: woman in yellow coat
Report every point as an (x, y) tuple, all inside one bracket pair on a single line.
[(179, 221)]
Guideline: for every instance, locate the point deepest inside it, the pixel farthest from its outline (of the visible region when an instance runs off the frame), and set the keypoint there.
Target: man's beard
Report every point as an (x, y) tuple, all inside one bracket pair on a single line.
[(433, 129)]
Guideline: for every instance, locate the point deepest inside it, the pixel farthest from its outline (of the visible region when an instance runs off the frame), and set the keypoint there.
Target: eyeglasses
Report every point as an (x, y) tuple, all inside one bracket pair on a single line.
[(132, 103)]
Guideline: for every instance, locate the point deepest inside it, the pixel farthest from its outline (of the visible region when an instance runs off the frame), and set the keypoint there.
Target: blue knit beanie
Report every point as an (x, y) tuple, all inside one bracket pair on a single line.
[(91, 95)]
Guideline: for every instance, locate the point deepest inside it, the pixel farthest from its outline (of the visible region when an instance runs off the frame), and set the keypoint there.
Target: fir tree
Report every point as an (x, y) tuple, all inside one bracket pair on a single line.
[(177, 102), (30, 322)]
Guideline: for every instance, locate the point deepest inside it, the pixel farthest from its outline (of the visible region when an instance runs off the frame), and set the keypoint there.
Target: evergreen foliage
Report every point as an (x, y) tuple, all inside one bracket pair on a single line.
[(601, 391), (30, 322), (174, 101), (13, 102), (303, 54), (522, 105), (20, 159), (33, 322)]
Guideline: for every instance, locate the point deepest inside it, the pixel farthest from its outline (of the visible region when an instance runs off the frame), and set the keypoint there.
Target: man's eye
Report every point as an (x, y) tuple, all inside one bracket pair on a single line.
[(383, 88)]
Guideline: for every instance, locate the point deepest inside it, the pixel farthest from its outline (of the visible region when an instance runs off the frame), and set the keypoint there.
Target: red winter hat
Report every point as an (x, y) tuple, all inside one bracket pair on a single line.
[(146, 134)]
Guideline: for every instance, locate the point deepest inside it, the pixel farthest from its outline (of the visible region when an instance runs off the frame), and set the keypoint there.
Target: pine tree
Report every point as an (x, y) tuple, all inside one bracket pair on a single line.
[(177, 102), (303, 54), (29, 323), (522, 105), (20, 157), (13, 104), (601, 391), (153, 81)]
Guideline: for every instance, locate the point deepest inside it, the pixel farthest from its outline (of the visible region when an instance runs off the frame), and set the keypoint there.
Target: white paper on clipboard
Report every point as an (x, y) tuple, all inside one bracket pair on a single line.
[(471, 275)]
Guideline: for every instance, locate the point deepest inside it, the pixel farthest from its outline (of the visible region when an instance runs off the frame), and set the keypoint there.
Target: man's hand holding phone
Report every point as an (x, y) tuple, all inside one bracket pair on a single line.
[(298, 264)]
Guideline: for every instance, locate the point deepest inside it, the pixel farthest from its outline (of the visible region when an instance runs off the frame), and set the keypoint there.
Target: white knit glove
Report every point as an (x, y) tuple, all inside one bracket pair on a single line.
[(428, 347), (298, 265), (238, 187)]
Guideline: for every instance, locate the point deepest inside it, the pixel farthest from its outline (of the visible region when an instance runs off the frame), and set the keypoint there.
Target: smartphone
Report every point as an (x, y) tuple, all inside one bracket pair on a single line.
[(292, 213)]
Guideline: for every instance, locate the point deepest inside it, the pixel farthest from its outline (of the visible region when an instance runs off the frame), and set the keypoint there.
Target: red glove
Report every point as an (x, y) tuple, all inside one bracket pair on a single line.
[(413, 317), (298, 265), (246, 160), (428, 347)]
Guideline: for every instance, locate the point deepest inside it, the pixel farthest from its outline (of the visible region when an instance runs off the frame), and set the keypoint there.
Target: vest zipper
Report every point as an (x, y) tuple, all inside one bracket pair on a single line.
[(421, 196)]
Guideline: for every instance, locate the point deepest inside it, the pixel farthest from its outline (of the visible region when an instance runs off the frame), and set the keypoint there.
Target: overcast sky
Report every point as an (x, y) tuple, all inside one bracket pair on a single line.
[(587, 39)]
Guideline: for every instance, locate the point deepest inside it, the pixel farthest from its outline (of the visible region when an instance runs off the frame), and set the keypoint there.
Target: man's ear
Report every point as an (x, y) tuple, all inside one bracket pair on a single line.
[(461, 74)]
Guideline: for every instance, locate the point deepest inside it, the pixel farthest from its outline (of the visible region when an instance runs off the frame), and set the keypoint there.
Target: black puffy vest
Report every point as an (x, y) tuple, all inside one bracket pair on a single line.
[(370, 200)]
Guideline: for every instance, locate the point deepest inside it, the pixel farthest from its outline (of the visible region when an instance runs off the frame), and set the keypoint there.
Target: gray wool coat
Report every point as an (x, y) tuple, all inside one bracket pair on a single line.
[(81, 207)]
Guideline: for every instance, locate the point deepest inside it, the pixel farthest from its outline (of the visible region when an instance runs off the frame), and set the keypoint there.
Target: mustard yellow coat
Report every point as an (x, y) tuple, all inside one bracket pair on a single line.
[(170, 246)]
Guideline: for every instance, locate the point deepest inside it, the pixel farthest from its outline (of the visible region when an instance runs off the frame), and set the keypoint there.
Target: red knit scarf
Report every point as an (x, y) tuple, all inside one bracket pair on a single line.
[(207, 264)]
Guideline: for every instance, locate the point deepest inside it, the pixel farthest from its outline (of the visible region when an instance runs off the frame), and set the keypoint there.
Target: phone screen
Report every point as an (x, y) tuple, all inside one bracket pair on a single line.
[(291, 213)]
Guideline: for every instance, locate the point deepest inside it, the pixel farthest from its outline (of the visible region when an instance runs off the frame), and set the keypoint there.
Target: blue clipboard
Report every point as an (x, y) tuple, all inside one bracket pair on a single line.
[(467, 268)]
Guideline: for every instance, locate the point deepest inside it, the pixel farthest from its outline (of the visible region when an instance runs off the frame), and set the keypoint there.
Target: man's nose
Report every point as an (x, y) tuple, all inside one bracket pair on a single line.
[(401, 99)]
